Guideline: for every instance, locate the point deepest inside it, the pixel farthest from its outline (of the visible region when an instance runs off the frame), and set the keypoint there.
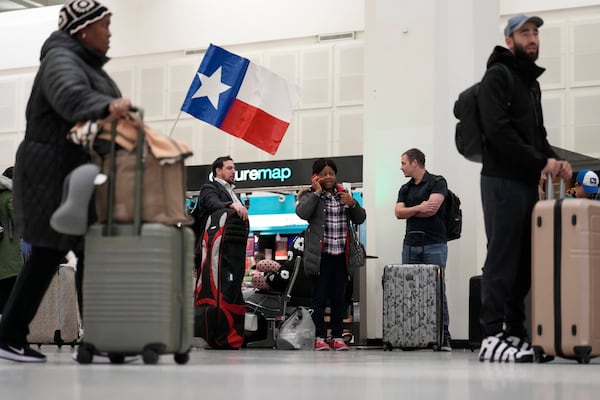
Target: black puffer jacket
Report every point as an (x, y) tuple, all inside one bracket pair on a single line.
[(516, 143), (70, 86)]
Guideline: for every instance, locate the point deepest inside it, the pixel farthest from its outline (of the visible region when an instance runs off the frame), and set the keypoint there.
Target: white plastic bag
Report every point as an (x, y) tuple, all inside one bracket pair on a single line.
[(297, 332)]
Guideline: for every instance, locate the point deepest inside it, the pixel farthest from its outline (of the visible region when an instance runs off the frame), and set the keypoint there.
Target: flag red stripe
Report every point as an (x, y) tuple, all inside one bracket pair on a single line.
[(254, 126)]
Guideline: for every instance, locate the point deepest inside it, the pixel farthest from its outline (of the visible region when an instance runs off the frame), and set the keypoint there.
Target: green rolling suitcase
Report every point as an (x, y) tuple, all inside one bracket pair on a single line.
[(136, 293)]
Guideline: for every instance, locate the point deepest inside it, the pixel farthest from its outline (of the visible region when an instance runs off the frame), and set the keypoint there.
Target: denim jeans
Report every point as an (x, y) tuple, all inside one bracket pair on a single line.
[(437, 254)]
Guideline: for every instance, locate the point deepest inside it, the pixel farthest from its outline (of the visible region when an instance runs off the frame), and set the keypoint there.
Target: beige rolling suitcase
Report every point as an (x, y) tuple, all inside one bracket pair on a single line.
[(57, 318), (566, 279)]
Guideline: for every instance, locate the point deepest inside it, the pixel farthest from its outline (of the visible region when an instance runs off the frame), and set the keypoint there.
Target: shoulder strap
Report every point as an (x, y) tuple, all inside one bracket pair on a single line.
[(434, 179), (508, 72)]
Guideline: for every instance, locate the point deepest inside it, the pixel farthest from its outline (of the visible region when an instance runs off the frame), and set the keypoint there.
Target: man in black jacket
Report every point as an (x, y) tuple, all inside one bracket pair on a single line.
[(217, 194), (515, 154)]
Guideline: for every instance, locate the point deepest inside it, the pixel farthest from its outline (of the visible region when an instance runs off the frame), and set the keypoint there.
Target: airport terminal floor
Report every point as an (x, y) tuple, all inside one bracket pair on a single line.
[(278, 374)]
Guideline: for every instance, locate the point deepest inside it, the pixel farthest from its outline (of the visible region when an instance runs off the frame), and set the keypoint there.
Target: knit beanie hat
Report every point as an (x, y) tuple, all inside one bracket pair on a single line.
[(77, 14)]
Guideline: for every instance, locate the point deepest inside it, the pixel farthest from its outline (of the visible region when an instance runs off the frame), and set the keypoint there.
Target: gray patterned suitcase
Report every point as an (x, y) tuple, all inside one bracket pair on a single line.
[(412, 306)]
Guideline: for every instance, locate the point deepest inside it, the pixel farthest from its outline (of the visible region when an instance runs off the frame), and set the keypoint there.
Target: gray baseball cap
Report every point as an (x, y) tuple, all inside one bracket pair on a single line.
[(517, 21)]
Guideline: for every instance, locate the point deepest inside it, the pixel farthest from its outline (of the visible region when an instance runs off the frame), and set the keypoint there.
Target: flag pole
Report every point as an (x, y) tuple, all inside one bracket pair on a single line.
[(175, 123)]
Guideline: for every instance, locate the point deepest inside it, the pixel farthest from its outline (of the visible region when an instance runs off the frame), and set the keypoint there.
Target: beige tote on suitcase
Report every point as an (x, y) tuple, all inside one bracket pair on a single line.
[(566, 279)]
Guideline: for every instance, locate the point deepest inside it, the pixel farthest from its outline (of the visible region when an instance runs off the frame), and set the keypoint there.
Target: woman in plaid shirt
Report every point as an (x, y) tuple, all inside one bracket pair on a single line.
[(328, 210)]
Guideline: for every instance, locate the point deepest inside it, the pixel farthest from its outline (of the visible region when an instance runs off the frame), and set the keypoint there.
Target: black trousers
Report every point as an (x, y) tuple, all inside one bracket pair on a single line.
[(30, 287), (330, 284), (507, 208), (6, 286)]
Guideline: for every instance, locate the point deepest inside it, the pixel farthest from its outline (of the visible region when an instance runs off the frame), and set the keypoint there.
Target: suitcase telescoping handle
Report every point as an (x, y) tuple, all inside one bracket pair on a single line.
[(550, 188), (139, 149)]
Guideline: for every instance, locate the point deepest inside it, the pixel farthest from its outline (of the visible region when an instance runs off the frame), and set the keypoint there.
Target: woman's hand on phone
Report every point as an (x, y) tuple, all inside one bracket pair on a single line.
[(315, 183)]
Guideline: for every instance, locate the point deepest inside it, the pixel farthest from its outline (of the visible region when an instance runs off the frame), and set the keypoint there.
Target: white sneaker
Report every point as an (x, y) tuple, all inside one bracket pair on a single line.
[(498, 349), (520, 343)]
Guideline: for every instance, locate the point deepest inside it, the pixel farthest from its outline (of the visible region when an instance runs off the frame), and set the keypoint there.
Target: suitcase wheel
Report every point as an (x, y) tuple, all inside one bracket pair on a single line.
[(85, 353), (150, 356), (58, 338), (582, 354), (540, 356), (387, 346), (182, 358), (152, 351)]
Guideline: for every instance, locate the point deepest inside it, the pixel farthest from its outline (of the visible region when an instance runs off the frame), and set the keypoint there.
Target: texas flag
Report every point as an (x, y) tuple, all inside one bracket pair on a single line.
[(241, 98)]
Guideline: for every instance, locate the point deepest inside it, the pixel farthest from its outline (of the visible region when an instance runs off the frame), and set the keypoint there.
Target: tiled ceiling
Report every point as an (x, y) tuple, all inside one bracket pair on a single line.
[(12, 5)]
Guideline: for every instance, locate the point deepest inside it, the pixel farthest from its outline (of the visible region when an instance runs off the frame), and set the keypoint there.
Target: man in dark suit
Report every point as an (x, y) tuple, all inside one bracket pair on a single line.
[(218, 194)]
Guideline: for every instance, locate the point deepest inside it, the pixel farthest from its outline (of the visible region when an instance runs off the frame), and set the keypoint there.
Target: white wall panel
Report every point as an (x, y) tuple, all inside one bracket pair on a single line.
[(9, 142), (315, 133), (25, 85), (584, 120), (9, 90), (213, 143), (553, 106), (151, 90), (284, 63), (348, 131), (553, 55), (242, 151), (188, 131), (585, 53), (181, 73), (124, 78), (316, 77), (349, 73)]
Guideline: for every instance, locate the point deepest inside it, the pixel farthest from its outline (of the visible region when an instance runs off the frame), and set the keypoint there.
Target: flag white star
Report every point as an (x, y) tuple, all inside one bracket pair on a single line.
[(211, 87)]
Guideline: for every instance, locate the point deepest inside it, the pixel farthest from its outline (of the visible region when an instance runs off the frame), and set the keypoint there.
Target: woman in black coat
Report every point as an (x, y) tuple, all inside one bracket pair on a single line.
[(70, 86)]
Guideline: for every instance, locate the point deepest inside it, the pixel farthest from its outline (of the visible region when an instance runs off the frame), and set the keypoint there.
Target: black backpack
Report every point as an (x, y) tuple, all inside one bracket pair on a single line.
[(453, 216), (453, 213), (469, 135)]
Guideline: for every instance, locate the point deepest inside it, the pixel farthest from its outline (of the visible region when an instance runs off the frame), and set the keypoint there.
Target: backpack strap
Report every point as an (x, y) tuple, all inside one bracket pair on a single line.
[(435, 179), (511, 80)]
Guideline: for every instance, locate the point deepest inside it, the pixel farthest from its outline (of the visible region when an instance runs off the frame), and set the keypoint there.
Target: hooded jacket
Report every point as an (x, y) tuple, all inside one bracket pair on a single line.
[(516, 144), (70, 86), (11, 260), (312, 208)]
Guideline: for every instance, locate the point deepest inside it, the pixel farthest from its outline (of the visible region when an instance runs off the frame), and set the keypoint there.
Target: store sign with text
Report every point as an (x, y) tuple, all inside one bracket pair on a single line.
[(277, 173)]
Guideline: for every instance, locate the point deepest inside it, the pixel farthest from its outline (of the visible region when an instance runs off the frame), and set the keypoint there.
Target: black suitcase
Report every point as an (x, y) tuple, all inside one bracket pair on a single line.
[(475, 334), (220, 307)]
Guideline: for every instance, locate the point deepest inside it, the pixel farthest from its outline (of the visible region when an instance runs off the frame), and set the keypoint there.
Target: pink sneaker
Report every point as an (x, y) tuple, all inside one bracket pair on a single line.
[(320, 345), (338, 344)]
